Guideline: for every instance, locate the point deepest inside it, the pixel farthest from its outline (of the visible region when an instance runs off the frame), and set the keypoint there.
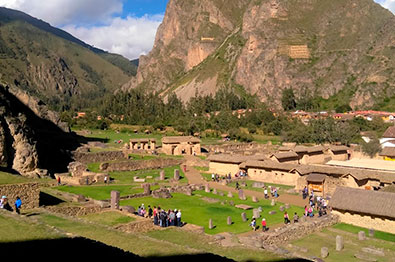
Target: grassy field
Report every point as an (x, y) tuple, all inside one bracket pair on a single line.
[(108, 218), (198, 209), (7, 178), (282, 188), (354, 229), (352, 245), (100, 192)]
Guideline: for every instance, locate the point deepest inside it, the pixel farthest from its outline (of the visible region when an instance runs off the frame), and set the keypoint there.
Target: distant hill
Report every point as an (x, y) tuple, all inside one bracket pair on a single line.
[(55, 66), (337, 53)]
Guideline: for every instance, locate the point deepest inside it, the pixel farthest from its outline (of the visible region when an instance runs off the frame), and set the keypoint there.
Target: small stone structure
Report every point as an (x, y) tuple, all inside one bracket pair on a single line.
[(210, 224), (147, 188), (142, 144), (244, 217), (255, 199), (229, 221), (133, 165), (162, 175), (181, 145), (339, 243), (324, 252), (230, 194), (207, 188), (80, 175), (361, 235), (242, 195), (256, 213), (176, 174), (115, 199), (86, 158)]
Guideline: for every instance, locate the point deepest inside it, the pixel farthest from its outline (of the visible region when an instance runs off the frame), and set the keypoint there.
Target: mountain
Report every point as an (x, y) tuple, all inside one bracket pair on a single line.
[(55, 66), (337, 52), (33, 140)]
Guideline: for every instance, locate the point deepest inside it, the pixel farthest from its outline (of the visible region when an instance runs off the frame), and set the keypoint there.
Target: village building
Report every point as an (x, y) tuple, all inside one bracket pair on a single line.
[(142, 144), (331, 177), (270, 171), (388, 138), (285, 157), (339, 152), (388, 153), (181, 145), (314, 155), (364, 208), (223, 164)]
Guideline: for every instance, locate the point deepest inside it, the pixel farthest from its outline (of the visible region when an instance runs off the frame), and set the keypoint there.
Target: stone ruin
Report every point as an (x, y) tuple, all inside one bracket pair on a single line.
[(81, 176), (115, 195)]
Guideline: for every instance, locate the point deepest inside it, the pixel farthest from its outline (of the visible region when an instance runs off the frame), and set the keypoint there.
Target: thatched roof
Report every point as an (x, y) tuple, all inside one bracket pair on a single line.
[(268, 164), (315, 149), (357, 173), (338, 149), (317, 178), (390, 132), (388, 151), (180, 139), (285, 155), (234, 159), (361, 201)]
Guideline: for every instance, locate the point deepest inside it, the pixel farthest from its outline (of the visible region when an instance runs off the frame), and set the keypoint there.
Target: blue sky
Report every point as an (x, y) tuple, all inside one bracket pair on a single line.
[(126, 27)]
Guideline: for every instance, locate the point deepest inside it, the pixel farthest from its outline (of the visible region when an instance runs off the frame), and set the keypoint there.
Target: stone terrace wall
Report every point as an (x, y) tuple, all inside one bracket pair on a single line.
[(298, 230), (29, 194), (137, 227), (99, 156), (74, 211), (133, 165)]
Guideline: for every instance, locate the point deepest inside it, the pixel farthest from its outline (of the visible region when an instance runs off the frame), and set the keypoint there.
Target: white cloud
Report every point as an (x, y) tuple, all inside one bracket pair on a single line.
[(62, 12), (129, 37)]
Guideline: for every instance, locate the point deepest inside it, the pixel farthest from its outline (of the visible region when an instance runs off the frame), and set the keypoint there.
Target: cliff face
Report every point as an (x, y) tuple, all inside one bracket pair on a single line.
[(332, 49), (32, 138)]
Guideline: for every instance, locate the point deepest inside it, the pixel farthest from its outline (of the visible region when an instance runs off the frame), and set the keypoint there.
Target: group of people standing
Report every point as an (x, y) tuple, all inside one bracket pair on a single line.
[(166, 219), (4, 204), (273, 192)]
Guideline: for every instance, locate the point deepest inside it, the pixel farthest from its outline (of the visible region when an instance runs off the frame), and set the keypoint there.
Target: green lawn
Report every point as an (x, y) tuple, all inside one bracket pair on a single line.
[(197, 211), (354, 229), (100, 192), (109, 218), (7, 178), (282, 188)]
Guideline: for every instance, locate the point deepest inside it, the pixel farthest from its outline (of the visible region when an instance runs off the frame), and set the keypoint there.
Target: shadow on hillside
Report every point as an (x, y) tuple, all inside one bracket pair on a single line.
[(81, 248), (49, 200)]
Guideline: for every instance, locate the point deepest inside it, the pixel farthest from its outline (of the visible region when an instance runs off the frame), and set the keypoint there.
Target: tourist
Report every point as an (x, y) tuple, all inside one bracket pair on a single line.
[(305, 192), (296, 218), (58, 179), (150, 211), (2, 201), (275, 192), (265, 192), (155, 216), (18, 204), (264, 225), (175, 220), (306, 211), (253, 224), (286, 218), (311, 212), (139, 211), (6, 205), (271, 191), (178, 215), (105, 179), (213, 177), (237, 185), (172, 217)]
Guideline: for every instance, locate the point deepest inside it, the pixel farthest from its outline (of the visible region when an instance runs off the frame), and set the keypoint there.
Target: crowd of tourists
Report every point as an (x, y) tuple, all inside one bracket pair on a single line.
[(217, 178), (160, 216), (4, 204)]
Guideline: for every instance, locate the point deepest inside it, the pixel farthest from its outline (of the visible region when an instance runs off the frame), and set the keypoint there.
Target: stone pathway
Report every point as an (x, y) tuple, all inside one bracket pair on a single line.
[(194, 177)]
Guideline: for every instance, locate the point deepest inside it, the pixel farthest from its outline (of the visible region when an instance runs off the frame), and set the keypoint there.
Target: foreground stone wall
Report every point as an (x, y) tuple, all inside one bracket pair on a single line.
[(377, 223), (29, 194), (223, 168), (99, 156), (137, 227), (133, 165)]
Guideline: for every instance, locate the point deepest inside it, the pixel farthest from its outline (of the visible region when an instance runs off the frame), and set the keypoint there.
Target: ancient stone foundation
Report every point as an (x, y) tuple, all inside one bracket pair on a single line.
[(133, 165), (99, 156)]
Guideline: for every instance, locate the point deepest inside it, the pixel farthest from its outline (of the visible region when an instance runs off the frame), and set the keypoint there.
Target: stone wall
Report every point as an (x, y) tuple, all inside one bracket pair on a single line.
[(29, 193), (99, 156), (137, 227), (74, 211), (377, 223), (223, 168), (273, 176), (139, 164), (298, 230)]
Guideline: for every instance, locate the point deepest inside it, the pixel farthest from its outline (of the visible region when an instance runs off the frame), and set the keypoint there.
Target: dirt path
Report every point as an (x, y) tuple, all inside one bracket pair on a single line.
[(194, 177)]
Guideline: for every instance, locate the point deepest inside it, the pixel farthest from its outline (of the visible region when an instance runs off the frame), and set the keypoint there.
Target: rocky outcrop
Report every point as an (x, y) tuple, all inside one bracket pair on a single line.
[(30, 141), (340, 48)]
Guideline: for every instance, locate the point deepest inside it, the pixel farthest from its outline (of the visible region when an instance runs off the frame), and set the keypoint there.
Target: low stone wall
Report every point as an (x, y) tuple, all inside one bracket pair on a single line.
[(298, 230), (74, 211), (137, 227), (99, 156), (29, 193), (133, 165)]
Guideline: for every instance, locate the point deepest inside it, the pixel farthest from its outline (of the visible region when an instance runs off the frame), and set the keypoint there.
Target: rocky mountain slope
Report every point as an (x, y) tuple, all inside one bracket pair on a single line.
[(55, 66), (338, 50), (33, 140)]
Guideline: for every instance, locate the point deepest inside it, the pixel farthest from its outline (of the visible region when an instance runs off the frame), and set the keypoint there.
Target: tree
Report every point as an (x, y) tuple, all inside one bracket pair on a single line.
[(372, 148), (288, 99)]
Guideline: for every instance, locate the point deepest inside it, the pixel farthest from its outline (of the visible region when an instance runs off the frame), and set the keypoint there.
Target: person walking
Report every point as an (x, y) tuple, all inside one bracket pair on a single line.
[(18, 204), (296, 218), (286, 218), (253, 224), (265, 192), (264, 225)]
